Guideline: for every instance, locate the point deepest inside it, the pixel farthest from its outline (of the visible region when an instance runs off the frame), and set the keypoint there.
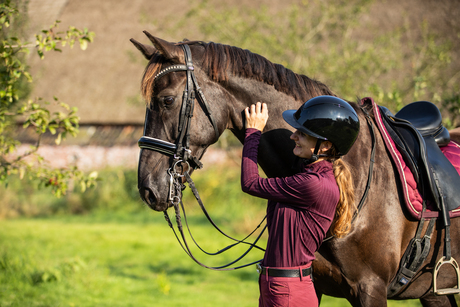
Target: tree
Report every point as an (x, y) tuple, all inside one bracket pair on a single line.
[(14, 104)]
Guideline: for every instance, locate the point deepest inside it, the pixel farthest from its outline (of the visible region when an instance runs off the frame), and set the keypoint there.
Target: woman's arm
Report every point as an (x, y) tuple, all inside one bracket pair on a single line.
[(294, 189)]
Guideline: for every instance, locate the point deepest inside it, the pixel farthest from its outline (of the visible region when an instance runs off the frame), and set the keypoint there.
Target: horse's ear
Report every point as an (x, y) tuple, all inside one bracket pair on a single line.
[(169, 50), (147, 50)]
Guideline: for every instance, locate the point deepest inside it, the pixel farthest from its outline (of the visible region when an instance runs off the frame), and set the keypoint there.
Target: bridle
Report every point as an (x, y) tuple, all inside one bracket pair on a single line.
[(183, 158), (180, 150)]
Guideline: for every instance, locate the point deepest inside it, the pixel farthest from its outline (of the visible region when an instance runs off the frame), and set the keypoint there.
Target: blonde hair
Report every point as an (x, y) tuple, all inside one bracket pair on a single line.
[(346, 205)]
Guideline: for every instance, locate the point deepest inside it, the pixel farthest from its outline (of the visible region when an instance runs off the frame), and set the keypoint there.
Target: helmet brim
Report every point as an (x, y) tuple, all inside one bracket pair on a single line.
[(289, 118)]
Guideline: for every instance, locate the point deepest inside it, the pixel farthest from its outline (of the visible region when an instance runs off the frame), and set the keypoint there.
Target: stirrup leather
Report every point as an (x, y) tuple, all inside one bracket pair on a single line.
[(446, 291)]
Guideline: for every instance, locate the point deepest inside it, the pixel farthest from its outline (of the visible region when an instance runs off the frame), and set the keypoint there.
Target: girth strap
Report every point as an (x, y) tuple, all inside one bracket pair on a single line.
[(413, 258)]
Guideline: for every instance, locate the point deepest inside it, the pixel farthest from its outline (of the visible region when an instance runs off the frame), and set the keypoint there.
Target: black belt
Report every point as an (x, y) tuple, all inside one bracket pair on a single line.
[(283, 272)]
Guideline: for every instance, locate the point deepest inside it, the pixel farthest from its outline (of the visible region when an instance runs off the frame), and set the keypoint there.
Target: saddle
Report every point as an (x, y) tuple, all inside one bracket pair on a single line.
[(418, 134)]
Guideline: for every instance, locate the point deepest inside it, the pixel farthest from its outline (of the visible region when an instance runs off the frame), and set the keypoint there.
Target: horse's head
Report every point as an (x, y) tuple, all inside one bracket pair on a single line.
[(177, 131)]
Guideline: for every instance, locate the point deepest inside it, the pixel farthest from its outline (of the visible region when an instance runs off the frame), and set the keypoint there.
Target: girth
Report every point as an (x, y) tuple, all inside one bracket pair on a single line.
[(437, 179)]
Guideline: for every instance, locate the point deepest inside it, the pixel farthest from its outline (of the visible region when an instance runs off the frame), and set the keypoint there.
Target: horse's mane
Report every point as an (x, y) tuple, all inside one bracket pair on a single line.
[(219, 60)]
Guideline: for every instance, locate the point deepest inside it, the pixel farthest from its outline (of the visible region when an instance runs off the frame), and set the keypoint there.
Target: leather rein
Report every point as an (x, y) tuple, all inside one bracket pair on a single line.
[(183, 159)]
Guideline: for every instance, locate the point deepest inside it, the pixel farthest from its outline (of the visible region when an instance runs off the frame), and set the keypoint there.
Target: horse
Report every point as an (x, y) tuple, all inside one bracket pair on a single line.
[(358, 267)]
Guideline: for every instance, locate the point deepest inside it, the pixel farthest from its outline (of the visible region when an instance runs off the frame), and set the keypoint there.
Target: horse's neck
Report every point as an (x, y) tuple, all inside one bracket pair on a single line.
[(275, 149)]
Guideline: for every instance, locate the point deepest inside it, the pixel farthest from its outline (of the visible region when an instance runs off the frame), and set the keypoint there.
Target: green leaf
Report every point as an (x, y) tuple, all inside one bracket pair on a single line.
[(22, 171), (58, 139), (83, 186), (83, 44), (93, 175)]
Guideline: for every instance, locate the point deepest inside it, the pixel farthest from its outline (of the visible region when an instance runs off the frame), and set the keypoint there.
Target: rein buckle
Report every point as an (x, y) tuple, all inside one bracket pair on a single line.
[(259, 268)]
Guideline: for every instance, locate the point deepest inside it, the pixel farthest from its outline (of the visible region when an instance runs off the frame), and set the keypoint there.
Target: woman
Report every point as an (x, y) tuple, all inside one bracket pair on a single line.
[(301, 208)]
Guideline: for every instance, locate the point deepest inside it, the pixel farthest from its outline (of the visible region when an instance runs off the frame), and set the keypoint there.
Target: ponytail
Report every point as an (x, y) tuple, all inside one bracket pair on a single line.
[(346, 206)]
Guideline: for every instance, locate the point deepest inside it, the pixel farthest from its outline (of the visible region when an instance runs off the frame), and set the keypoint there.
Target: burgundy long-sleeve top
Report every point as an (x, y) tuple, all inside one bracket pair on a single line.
[(300, 208)]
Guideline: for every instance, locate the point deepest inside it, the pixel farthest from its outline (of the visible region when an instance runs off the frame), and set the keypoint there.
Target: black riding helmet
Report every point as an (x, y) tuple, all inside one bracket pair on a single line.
[(326, 118)]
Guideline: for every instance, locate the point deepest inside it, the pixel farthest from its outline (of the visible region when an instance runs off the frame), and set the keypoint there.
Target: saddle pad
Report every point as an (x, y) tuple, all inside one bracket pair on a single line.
[(412, 198), (452, 153)]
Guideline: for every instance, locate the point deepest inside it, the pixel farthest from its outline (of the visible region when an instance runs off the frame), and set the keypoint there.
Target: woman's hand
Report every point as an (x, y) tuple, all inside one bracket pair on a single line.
[(256, 116)]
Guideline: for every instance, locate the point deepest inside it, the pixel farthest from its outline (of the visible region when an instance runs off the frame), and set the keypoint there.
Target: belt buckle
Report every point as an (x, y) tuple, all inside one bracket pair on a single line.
[(259, 268)]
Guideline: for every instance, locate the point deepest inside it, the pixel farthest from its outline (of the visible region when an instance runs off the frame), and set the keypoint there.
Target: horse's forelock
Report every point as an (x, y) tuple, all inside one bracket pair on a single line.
[(152, 69)]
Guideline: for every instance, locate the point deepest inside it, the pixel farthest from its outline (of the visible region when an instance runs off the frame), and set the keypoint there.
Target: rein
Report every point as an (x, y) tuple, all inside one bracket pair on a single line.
[(184, 243), (182, 158), (181, 154)]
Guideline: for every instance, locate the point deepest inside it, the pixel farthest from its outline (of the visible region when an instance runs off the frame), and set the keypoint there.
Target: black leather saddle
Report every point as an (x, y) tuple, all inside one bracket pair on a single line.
[(417, 132)]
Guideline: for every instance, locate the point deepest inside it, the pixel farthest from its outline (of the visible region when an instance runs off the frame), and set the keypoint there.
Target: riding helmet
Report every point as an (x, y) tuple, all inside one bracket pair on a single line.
[(326, 118)]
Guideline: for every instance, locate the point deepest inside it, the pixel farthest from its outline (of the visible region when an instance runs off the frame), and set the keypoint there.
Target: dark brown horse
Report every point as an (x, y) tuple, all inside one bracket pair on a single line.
[(358, 267)]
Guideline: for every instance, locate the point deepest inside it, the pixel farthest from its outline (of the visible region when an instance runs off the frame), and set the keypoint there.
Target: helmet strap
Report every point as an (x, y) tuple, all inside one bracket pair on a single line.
[(314, 157)]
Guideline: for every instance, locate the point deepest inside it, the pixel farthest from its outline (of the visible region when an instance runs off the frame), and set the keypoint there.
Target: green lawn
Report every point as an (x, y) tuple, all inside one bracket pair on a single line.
[(104, 248), (91, 261)]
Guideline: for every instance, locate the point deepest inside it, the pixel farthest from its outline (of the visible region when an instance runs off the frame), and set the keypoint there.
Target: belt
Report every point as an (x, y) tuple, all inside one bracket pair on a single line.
[(282, 272)]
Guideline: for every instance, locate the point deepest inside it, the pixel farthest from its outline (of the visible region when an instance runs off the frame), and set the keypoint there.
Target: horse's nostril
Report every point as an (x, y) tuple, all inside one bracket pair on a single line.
[(148, 196)]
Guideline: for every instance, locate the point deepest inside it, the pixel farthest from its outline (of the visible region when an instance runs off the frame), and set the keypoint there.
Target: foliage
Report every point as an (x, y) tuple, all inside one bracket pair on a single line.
[(323, 40), (34, 112), (451, 105), (50, 40), (119, 193)]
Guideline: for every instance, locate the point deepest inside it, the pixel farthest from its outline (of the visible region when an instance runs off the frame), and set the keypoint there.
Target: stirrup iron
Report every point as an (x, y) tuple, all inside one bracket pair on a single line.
[(446, 291)]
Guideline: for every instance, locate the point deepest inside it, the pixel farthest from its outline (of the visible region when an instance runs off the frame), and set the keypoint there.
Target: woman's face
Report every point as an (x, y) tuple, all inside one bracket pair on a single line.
[(304, 144)]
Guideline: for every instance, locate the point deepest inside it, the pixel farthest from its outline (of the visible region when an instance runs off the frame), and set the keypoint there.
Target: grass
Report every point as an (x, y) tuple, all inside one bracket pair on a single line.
[(59, 262), (84, 261), (116, 252)]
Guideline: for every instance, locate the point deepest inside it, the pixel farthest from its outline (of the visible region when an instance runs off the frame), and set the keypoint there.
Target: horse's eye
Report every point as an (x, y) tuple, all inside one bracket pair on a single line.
[(169, 100)]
